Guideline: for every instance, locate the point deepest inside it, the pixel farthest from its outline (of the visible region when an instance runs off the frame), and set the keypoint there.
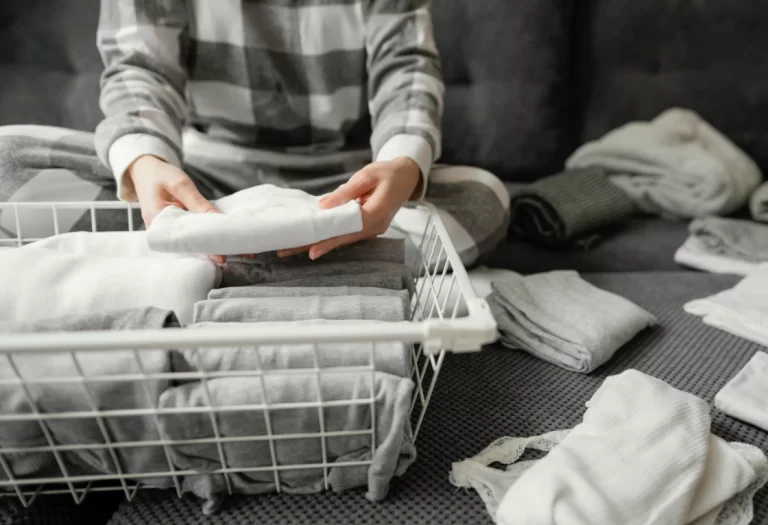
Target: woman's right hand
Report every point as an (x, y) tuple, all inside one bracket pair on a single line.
[(159, 185)]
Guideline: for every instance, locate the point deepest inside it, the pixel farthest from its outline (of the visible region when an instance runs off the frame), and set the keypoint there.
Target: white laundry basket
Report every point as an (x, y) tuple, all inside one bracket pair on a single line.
[(446, 315)]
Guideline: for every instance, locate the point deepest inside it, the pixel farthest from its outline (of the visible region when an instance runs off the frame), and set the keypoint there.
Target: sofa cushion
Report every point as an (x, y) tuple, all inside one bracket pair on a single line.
[(641, 244), (636, 59), (505, 65), (49, 64)]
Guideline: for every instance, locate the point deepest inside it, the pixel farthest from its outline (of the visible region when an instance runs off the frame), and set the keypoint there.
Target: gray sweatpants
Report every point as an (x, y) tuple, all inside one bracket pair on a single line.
[(47, 164)]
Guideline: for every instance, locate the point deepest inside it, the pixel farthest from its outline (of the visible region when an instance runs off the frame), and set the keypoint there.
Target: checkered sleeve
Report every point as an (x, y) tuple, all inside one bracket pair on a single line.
[(142, 88), (405, 87)]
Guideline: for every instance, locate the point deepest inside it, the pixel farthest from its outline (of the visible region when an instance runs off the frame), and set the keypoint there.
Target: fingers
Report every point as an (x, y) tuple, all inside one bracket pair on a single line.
[(188, 195), (218, 259), (321, 248), (292, 251), (358, 185)]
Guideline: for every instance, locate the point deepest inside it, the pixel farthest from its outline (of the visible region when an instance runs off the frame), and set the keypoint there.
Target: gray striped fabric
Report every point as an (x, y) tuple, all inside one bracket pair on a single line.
[(568, 208), (298, 77)]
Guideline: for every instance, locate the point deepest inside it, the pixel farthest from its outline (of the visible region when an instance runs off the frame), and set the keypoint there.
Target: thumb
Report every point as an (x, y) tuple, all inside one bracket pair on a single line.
[(358, 185), (190, 197)]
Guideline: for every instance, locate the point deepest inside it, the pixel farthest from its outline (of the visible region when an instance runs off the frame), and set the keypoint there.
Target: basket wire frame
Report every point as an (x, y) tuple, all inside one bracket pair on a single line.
[(442, 292)]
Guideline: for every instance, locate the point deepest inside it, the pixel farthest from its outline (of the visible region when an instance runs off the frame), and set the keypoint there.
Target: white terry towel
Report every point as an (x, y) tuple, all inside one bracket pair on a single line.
[(643, 455), (260, 219), (721, 245), (745, 396), (677, 165), (741, 310), (37, 283)]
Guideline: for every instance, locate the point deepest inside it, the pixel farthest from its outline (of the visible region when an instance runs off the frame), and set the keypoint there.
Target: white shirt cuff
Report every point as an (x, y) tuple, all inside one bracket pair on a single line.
[(130, 147), (413, 147)]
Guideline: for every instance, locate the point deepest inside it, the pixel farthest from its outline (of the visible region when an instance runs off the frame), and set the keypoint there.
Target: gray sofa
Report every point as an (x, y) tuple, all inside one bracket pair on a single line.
[(527, 81)]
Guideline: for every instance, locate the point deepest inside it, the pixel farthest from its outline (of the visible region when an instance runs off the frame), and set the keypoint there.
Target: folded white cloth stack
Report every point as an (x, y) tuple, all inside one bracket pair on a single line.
[(745, 396), (676, 165), (260, 219), (741, 310), (643, 455)]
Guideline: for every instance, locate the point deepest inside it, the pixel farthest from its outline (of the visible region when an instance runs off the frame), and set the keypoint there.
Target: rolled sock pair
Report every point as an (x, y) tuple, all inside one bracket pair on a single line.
[(745, 396), (643, 454), (559, 317), (39, 283), (721, 245), (676, 165), (566, 209), (741, 310), (304, 308), (52, 397), (256, 220)]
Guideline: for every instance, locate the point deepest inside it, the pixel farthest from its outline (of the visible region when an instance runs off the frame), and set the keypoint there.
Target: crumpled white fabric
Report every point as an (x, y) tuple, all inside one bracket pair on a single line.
[(676, 165), (745, 396), (741, 310), (260, 219), (643, 455)]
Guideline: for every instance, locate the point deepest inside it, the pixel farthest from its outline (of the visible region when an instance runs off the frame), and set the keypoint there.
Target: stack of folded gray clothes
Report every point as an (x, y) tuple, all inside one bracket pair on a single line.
[(368, 281), (106, 394)]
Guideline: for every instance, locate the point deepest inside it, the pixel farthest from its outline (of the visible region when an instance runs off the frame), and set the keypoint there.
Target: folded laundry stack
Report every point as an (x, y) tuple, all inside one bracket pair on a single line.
[(676, 165), (559, 317), (721, 245), (568, 209), (741, 310), (644, 453)]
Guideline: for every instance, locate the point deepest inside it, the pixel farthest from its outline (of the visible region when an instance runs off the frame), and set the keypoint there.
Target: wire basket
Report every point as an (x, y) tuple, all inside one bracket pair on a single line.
[(446, 315)]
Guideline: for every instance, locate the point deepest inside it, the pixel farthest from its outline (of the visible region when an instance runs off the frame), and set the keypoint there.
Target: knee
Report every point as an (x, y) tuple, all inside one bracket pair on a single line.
[(469, 173)]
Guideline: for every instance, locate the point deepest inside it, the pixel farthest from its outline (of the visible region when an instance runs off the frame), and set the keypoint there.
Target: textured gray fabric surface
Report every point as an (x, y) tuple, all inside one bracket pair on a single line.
[(640, 245), (512, 393)]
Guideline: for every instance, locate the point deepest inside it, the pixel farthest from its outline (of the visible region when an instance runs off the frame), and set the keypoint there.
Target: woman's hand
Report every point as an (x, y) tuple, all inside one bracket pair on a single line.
[(381, 188), (159, 185)]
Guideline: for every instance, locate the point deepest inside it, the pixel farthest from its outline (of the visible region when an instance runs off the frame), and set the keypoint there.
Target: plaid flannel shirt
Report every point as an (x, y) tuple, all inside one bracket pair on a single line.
[(296, 78)]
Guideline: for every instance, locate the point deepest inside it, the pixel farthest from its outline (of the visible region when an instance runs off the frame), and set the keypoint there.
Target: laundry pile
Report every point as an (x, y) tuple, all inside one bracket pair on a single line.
[(158, 279)]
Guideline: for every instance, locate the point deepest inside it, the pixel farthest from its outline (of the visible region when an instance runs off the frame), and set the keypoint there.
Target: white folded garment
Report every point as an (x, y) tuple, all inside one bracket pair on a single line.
[(260, 219), (741, 310), (104, 244), (37, 283), (643, 455), (745, 396), (676, 165), (694, 254)]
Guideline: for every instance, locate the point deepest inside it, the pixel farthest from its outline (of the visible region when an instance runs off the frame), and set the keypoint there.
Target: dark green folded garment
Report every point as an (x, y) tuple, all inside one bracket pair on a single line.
[(568, 209)]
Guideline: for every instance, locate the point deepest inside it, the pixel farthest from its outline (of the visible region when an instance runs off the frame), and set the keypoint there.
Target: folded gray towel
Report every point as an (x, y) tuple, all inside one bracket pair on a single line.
[(388, 280), (378, 249), (566, 208), (390, 357), (559, 317), (758, 203), (316, 273), (394, 452), (57, 398), (307, 308), (733, 238), (236, 292)]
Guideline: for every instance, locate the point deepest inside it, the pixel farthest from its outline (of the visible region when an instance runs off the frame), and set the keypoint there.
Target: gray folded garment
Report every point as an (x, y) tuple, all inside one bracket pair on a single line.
[(732, 238), (565, 209), (394, 451), (63, 397), (390, 357), (758, 203), (559, 317), (242, 292), (371, 250), (307, 308), (298, 271)]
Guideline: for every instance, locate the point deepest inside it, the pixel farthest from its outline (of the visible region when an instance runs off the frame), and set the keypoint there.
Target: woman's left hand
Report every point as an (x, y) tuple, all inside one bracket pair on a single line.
[(381, 188)]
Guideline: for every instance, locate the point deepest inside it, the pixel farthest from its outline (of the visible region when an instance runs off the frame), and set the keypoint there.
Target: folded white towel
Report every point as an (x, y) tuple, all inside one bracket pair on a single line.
[(260, 219), (38, 283), (643, 455), (677, 165), (103, 244), (741, 310), (694, 254), (745, 396)]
